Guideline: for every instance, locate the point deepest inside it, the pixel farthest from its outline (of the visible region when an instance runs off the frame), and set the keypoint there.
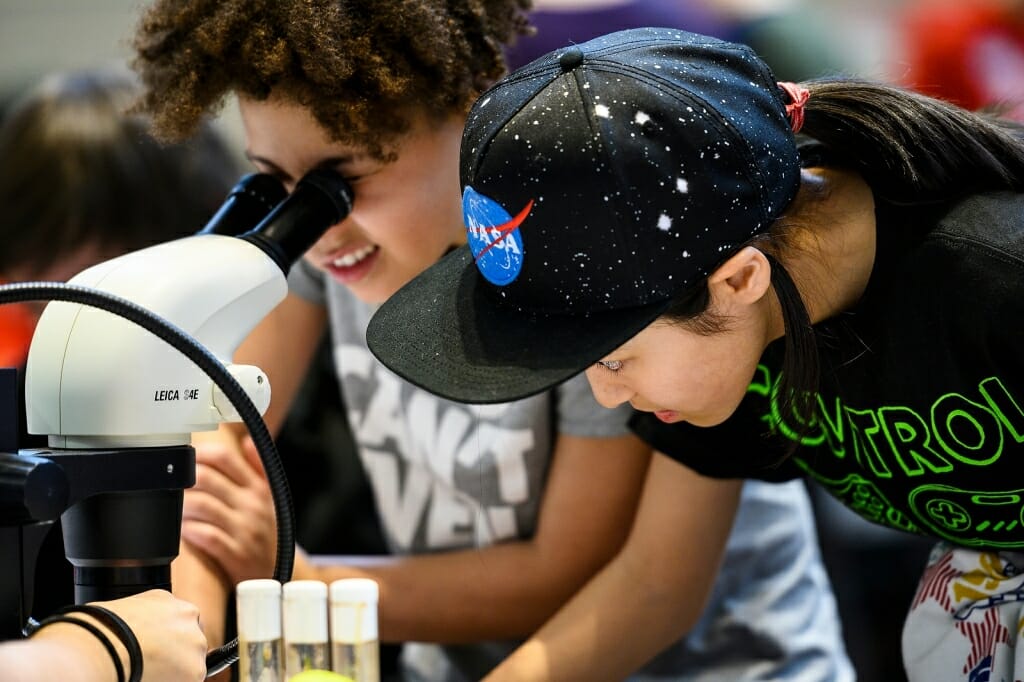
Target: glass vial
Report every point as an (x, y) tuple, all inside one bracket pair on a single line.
[(259, 631), (355, 651), (307, 645)]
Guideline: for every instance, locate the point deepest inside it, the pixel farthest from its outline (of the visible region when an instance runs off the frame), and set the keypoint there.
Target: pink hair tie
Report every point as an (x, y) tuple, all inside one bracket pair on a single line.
[(798, 96)]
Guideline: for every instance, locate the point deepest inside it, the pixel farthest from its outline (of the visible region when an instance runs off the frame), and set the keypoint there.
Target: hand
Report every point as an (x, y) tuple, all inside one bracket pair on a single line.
[(172, 642), (229, 513)]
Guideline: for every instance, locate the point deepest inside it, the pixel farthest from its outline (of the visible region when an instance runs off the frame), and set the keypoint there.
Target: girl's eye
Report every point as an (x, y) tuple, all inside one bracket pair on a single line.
[(611, 365)]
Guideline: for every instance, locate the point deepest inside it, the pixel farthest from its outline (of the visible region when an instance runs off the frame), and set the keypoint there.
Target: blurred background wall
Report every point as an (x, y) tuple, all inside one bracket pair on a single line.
[(37, 36), (41, 36)]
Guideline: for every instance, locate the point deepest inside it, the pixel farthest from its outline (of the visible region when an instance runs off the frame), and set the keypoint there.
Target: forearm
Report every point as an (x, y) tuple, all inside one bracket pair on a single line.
[(502, 592), (583, 643), (649, 595)]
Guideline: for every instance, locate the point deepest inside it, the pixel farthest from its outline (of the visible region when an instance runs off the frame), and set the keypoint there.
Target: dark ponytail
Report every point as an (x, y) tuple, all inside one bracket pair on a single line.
[(912, 148)]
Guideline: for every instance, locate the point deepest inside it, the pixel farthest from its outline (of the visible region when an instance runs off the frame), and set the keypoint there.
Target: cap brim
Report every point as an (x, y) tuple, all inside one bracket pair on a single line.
[(443, 333)]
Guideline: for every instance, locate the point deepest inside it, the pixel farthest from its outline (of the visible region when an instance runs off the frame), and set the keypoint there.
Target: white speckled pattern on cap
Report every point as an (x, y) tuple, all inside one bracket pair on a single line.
[(600, 181)]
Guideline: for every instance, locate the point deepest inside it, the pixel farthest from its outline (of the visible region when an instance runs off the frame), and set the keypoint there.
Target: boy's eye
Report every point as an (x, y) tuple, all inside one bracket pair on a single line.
[(611, 365)]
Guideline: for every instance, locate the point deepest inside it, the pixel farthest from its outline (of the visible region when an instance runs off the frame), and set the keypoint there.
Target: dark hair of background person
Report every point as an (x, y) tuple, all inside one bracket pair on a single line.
[(79, 171), (438, 55)]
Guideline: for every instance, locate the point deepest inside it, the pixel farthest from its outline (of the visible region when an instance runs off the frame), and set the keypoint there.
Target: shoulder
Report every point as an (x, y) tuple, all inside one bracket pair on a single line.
[(975, 240), (993, 222), (964, 280), (306, 281)]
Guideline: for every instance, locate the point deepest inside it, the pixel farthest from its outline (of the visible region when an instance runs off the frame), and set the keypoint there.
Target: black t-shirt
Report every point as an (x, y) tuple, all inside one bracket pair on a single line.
[(919, 417)]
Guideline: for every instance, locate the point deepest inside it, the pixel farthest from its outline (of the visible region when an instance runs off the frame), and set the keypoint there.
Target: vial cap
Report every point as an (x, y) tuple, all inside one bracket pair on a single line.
[(355, 589), (259, 610), (354, 610), (305, 611)]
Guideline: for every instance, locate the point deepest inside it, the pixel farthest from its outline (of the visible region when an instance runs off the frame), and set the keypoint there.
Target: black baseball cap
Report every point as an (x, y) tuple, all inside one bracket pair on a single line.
[(599, 182)]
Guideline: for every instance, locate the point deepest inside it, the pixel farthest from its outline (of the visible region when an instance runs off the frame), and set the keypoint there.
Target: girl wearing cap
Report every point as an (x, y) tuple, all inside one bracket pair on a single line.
[(850, 313), (496, 515)]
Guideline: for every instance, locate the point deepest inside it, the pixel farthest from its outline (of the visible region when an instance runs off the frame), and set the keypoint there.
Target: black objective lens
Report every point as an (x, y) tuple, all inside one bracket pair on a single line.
[(320, 199), (122, 543)]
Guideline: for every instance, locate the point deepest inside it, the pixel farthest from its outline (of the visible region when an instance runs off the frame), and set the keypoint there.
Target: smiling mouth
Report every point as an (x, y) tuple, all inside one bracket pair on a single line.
[(353, 258)]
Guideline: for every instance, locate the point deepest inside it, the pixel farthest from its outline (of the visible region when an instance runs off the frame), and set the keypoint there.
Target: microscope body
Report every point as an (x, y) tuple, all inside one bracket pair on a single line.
[(119, 405), (94, 380)]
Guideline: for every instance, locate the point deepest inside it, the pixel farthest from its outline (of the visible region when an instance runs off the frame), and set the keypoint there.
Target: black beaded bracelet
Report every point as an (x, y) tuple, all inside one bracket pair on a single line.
[(120, 628), (107, 644)]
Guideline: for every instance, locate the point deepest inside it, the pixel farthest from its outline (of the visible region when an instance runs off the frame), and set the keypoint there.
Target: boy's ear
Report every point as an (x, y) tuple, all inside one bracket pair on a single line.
[(742, 279)]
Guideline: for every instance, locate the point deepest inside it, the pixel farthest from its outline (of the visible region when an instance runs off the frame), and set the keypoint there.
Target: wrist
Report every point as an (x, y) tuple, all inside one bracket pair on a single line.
[(85, 647), (110, 629)]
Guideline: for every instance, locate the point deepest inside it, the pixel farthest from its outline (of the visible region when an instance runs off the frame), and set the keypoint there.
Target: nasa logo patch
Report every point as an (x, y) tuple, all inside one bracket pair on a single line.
[(494, 236)]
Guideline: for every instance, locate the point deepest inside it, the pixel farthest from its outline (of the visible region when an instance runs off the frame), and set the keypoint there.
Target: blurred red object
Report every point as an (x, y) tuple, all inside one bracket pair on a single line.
[(970, 52), (17, 322)]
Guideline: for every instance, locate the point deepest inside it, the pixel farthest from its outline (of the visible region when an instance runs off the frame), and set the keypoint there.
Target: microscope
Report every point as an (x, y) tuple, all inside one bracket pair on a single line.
[(130, 358)]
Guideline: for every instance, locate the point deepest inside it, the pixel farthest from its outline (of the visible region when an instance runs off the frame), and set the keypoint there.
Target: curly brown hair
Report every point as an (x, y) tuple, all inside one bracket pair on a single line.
[(359, 66)]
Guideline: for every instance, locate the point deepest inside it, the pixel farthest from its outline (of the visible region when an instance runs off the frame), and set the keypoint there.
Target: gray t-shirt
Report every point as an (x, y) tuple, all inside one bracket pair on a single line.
[(448, 476)]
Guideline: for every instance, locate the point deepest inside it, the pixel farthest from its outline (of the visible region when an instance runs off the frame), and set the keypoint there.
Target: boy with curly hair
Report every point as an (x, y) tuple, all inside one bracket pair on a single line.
[(495, 515)]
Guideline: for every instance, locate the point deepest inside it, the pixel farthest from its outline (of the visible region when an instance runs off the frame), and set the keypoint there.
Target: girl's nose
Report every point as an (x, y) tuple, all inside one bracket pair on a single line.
[(608, 390)]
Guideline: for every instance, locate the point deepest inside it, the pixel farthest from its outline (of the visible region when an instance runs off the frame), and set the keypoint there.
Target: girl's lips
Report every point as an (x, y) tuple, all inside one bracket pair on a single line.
[(351, 272), (667, 416)]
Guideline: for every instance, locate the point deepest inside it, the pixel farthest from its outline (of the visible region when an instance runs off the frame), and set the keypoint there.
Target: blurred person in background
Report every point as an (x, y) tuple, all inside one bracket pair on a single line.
[(969, 52), (82, 182)]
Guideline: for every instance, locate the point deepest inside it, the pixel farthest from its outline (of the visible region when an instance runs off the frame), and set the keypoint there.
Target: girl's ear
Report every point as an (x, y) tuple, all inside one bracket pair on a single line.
[(743, 279)]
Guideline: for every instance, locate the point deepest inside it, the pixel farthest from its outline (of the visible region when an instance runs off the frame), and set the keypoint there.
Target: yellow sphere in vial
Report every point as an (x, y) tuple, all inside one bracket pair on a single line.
[(319, 676)]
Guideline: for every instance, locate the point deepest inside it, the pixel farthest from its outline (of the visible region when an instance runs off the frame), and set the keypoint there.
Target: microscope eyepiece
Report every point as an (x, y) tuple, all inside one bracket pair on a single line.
[(320, 199), (247, 204)]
